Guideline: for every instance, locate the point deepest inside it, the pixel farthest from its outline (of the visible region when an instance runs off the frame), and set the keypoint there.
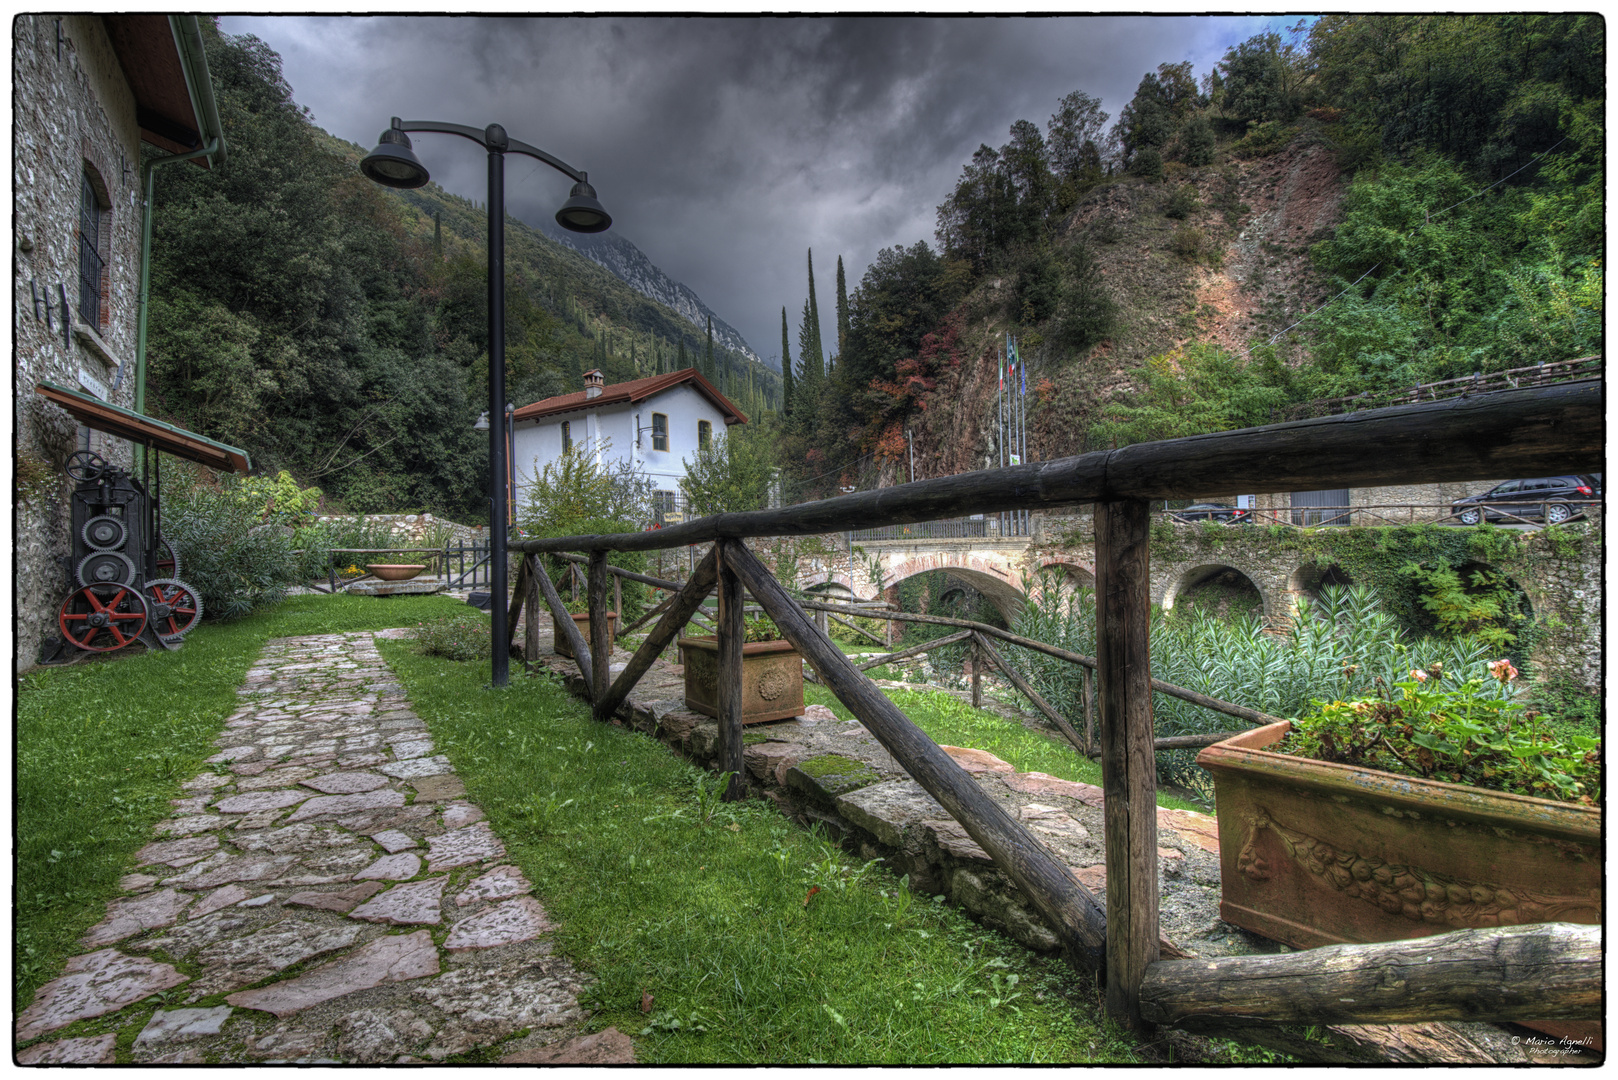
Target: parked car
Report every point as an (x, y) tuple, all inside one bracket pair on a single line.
[(1551, 499), (1220, 512)]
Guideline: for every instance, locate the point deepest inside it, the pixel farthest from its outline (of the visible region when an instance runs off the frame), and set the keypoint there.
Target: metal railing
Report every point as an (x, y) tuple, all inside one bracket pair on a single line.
[(1376, 514), (1587, 367), (981, 526)]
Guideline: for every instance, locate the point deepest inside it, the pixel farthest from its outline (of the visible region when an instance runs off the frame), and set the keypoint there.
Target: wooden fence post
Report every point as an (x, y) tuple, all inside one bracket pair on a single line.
[(1089, 711), (976, 658), (600, 627), (1128, 766), (729, 697), (530, 638)]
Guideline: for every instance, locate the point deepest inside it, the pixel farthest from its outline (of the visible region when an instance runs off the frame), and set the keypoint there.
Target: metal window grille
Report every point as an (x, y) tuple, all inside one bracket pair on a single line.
[(90, 261), (1310, 508)]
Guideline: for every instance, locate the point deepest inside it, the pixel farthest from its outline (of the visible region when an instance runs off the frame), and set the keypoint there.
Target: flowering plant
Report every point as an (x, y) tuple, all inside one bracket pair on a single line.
[(1469, 733)]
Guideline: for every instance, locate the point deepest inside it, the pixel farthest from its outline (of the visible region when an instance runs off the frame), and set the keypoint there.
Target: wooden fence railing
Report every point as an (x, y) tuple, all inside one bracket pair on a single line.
[(1530, 432)]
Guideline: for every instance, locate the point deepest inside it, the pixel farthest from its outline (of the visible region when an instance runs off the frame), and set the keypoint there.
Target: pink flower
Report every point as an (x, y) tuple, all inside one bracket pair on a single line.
[(1502, 670), (1418, 675)]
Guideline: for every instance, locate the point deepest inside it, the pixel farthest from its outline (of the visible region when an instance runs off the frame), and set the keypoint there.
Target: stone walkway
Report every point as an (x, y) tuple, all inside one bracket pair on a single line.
[(324, 893)]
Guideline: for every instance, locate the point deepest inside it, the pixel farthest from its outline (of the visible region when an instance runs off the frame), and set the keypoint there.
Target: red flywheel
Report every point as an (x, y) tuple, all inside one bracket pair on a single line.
[(101, 617)]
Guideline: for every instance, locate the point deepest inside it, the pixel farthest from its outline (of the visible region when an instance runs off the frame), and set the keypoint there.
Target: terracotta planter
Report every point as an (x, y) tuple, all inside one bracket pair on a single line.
[(1313, 853), (582, 621), (772, 679), (394, 571)]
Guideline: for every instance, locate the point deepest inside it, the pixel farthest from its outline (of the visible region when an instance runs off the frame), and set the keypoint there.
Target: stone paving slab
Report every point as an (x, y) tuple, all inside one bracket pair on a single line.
[(308, 876)]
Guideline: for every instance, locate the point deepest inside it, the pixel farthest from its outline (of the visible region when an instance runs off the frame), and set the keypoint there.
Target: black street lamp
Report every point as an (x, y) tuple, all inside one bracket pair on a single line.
[(394, 164)]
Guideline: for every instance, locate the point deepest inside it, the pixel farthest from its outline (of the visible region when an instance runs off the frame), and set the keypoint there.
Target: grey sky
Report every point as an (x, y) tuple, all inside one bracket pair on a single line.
[(725, 147)]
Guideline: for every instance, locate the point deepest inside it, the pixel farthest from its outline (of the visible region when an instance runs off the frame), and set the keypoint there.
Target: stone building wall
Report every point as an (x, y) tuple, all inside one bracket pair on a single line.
[(71, 113), (415, 529)]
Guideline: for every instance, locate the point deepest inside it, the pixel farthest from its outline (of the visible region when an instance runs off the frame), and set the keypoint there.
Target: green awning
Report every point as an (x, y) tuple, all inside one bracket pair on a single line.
[(98, 415)]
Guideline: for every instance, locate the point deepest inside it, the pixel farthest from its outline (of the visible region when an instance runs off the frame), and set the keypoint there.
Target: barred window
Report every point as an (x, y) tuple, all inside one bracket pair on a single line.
[(91, 262)]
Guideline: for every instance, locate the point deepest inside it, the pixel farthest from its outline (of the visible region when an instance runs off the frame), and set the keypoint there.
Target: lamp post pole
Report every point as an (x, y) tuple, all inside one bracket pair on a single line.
[(394, 164)]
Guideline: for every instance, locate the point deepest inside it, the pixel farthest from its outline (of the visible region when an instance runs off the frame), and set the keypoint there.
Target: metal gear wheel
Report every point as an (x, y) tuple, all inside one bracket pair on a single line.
[(105, 532), (101, 618), (175, 608), (106, 568), (168, 558)]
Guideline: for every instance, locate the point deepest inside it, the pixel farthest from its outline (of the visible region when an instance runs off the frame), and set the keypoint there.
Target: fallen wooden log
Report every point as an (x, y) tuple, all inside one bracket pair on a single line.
[(1544, 971)]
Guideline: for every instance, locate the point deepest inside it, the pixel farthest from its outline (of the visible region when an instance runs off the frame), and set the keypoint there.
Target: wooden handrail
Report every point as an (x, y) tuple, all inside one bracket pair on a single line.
[(1527, 432)]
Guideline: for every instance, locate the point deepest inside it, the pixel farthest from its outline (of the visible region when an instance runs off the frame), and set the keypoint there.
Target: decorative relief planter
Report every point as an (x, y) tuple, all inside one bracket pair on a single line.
[(772, 679), (1313, 853), (582, 621)]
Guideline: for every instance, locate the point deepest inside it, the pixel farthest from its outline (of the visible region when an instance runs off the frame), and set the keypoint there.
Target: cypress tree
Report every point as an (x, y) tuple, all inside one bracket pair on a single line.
[(438, 234), (786, 368), (814, 322), (682, 364), (842, 311), (709, 372)]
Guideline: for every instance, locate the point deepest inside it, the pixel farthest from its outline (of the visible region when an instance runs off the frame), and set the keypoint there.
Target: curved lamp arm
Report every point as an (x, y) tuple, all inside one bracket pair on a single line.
[(493, 137)]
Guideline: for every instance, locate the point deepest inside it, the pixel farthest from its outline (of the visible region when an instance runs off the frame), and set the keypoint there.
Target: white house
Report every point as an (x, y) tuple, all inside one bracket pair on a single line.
[(656, 424)]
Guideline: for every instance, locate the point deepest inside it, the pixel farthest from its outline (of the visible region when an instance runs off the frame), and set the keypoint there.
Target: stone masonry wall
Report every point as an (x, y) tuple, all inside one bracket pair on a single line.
[(69, 113)]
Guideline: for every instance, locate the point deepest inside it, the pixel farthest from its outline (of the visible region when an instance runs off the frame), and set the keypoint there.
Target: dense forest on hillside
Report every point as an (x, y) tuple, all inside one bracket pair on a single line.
[(1467, 154), (337, 330)]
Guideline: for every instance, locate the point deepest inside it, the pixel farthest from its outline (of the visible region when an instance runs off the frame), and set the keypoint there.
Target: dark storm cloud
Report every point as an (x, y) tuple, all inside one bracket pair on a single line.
[(725, 147)]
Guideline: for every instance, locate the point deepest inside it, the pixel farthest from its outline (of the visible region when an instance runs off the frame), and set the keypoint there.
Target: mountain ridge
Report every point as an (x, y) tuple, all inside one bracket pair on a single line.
[(618, 255)]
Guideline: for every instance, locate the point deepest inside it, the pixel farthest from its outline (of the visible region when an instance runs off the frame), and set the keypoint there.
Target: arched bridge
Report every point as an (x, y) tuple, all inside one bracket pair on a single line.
[(1001, 567)]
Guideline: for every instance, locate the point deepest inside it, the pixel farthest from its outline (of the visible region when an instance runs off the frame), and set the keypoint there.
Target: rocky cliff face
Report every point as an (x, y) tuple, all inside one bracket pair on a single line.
[(1235, 271), (628, 263)]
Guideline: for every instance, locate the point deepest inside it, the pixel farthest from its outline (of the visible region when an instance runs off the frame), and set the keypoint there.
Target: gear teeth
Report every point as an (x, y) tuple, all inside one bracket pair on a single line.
[(158, 593)]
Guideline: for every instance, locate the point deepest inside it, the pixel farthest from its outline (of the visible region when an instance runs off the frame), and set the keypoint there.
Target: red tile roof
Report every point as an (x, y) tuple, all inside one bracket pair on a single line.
[(631, 392)]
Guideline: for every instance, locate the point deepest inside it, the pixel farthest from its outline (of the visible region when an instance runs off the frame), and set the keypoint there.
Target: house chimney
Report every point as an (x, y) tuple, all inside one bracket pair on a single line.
[(592, 384)]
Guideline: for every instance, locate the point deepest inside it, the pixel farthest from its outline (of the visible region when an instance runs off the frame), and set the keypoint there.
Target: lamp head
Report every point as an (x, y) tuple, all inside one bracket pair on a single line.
[(393, 164), (582, 213)]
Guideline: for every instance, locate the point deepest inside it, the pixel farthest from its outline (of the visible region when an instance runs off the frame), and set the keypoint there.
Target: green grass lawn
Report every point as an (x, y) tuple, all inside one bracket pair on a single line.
[(757, 941), (952, 722), (102, 747)]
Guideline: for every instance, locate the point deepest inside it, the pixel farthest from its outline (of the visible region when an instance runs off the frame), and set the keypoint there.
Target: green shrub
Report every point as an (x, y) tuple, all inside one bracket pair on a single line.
[(1472, 733), (1190, 243), (1148, 163), (1182, 202), (461, 636), (236, 562)]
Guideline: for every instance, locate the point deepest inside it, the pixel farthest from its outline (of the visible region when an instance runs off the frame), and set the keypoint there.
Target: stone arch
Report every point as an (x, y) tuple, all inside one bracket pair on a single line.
[(1309, 579), (1190, 577), (993, 581), (1073, 574)]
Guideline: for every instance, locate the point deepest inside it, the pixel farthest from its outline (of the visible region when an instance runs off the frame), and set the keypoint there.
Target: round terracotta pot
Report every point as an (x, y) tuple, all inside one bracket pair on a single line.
[(394, 571)]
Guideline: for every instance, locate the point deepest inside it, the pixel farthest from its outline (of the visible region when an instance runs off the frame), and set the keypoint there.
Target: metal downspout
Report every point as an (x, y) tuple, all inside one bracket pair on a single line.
[(194, 65)]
